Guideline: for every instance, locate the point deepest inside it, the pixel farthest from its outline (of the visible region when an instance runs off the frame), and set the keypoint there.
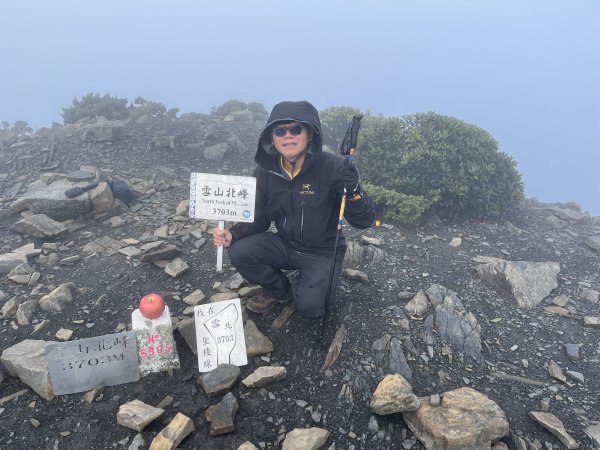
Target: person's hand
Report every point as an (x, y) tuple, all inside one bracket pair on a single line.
[(221, 237), (350, 176)]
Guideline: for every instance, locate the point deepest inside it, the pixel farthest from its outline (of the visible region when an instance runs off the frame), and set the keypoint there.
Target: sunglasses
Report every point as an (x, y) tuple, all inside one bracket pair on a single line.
[(294, 130)]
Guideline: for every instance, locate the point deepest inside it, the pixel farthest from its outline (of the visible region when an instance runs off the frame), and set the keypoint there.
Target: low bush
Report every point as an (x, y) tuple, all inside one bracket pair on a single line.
[(455, 166), (142, 107), (228, 107), (94, 105), (334, 123), (396, 206)]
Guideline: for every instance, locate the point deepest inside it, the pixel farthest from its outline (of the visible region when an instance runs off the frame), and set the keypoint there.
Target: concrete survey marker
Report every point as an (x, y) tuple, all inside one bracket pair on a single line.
[(157, 351), (220, 334), (85, 364)]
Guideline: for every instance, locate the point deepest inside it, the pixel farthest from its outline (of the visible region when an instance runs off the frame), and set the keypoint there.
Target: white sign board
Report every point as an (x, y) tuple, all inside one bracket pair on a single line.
[(222, 197), (220, 334)]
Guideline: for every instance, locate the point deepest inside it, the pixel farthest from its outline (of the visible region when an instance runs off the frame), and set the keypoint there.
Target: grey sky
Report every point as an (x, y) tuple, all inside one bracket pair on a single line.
[(528, 71)]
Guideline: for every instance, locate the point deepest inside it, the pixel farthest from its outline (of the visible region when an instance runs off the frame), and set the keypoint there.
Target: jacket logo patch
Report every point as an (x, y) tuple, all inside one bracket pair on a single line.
[(306, 189)]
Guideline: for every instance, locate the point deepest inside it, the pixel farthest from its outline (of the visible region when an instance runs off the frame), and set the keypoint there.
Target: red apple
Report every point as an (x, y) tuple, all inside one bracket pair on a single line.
[(152, 306)]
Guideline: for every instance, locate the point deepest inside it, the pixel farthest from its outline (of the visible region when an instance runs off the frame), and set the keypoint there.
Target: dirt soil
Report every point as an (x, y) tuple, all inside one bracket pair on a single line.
[(110, 287)]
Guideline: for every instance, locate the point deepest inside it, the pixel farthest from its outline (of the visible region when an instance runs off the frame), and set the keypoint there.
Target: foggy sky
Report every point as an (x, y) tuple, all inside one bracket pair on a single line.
[(527, 71)]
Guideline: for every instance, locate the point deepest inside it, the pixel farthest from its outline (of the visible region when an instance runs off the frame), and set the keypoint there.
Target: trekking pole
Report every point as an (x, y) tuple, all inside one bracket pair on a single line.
[(346, 149)]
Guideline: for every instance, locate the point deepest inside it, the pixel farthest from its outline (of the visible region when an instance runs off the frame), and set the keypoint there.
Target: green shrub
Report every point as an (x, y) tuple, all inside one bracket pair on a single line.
[(396, 206), (141, 107), (20, 128), (257, 108), (172, 113), (228, 107), (334, 123), (442, 158), (93, 105)]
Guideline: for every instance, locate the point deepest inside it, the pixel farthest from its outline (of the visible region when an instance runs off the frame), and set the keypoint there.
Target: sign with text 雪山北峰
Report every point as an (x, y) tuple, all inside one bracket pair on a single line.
[(222, 197), (220, 334), (85, 364)]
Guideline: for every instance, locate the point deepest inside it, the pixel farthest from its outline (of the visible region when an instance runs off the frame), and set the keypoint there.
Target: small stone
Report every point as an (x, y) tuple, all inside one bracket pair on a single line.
[(172, 435), (176, 268), (137, 415), (64, 334)]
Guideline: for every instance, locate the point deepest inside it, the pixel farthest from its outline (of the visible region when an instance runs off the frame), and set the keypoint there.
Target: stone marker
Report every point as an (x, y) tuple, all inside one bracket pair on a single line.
[(172, 435), (220, 334), (81, 365), (157, 350)]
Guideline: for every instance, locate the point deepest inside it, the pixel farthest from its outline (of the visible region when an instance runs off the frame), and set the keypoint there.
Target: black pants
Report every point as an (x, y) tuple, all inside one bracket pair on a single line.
[(261, 257)]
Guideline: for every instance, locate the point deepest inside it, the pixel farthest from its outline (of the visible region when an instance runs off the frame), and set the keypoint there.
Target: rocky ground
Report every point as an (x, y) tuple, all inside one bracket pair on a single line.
[(484, 342)]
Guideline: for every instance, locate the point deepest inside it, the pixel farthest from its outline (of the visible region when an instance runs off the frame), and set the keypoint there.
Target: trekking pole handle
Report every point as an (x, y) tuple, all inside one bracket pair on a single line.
[(351, 138)]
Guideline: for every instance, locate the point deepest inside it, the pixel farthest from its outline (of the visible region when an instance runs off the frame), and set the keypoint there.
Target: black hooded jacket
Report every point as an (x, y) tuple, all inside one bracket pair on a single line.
[(305, 209)]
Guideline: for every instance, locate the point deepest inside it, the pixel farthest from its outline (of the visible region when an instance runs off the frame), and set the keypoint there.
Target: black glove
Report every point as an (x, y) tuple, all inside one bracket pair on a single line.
[(350, 178)]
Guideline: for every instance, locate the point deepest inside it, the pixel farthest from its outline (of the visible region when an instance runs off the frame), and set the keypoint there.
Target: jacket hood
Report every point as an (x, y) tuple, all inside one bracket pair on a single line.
[(283, 112)]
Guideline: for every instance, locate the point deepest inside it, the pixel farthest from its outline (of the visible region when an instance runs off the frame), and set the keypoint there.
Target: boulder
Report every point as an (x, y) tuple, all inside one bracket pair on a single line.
[(27, 361), (465, 419), (528, 283), (102, 198), (103, 131), (52, 201)]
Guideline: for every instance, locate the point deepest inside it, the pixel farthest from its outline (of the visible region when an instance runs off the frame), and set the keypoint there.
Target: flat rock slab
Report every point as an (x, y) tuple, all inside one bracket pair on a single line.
[(263, 376), (8, 261), (166, 252), (137, 414), (39, 226), (357, 275), (256, 342), (80, 175), (219, 380), (305, 439), (172, 435), (176, 268), (52, 201), (554, 426)]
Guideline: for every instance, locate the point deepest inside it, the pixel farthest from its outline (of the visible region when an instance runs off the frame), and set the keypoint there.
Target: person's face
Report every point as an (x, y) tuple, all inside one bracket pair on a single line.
[(287, 142)]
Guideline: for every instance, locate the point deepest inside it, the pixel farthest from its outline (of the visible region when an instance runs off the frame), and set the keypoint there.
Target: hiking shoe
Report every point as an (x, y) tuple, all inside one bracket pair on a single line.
[(261, 303)]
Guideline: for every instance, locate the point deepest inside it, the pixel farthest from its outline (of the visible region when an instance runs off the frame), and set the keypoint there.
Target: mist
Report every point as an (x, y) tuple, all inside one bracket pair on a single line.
[(527, 72)]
